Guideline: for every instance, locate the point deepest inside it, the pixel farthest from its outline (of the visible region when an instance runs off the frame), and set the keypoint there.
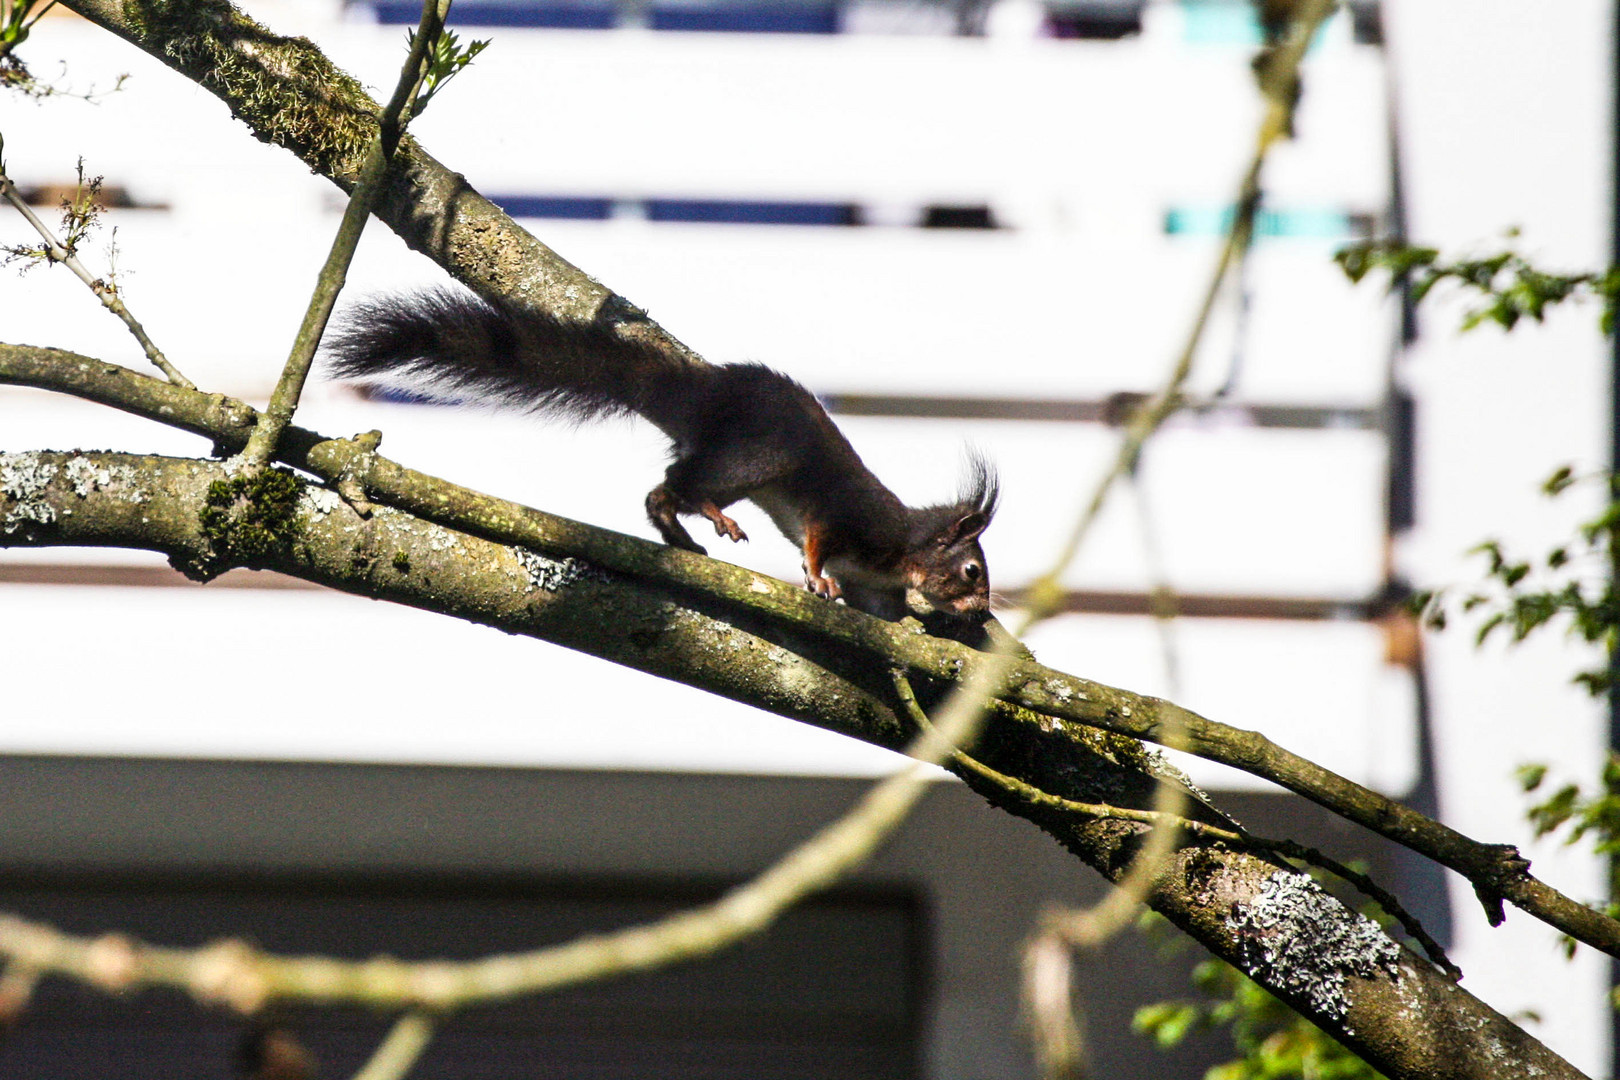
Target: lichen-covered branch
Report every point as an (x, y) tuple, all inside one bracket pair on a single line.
[(1398, 1012), (1038, 702), (1236, 836)]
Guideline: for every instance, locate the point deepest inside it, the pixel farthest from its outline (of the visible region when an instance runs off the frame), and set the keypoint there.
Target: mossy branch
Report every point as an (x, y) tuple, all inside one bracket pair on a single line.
[(1038, 702), (1389, 1006)]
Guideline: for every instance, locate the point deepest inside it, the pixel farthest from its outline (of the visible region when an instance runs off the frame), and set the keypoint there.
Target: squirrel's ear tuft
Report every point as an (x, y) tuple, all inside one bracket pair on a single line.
[(982, 488), (976, 504)]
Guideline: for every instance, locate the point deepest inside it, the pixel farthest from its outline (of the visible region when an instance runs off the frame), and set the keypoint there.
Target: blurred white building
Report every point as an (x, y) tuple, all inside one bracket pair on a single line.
[(959, 225)]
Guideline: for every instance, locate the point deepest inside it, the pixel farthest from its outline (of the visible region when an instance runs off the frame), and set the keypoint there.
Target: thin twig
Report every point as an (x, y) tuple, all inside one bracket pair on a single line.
[(1240, 838), (334, 273), (56, 251), (1161, 595), (1089, 929), (400, 1050), (1046, 592), (1039, 797)]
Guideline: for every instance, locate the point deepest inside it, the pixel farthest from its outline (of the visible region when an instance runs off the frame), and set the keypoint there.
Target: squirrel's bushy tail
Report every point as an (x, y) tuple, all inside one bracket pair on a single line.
[(453, 344)]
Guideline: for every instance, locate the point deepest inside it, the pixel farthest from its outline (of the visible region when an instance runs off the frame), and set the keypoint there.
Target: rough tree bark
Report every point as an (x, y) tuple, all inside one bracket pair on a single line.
[(1250, 908)]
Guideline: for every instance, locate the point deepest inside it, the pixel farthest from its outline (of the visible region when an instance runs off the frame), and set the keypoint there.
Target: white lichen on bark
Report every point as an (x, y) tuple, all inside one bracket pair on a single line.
[(88, 478), (553, 574), (1293, 935), (24, 480)]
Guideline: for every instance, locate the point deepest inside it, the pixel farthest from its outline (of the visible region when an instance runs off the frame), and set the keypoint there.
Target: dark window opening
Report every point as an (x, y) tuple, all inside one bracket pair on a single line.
[(1366, 20), (757, 18), (958, 217), (579, 208), (1096, 21), (745, 212), (835, 989), (550, 15)]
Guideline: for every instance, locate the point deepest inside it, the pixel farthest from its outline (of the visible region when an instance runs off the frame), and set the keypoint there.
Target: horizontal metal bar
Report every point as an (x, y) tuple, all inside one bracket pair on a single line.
[(1079, 601), (1115, 409)]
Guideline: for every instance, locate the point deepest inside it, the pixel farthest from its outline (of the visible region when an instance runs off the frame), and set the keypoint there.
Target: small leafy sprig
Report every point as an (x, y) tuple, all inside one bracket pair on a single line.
[(1510, 287), (1572, 580), (17, 19), (81, 216), (1581, 816), (447, 61), (1272, 1040)]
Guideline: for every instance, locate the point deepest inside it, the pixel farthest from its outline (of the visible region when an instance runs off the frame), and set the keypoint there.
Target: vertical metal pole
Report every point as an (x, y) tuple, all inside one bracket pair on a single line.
[(1614, 459)]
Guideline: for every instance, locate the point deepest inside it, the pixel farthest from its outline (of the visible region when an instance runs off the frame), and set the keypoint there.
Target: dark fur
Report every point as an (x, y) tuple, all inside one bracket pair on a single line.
[(740, 431)]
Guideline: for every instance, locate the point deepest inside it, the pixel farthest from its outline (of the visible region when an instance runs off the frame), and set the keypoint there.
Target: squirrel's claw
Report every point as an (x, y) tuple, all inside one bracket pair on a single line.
[(825, 587), (723, 525)]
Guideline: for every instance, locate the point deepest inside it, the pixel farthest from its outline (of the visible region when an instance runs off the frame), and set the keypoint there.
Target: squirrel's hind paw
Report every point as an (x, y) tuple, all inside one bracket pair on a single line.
[(723, 525)]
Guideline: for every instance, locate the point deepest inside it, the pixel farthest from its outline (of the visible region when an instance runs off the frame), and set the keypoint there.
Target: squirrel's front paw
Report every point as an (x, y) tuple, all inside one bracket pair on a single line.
[(825, 587)]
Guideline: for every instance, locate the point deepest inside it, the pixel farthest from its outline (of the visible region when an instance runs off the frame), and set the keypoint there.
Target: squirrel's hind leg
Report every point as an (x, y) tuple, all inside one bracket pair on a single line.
[(708, 482), (662, 506)]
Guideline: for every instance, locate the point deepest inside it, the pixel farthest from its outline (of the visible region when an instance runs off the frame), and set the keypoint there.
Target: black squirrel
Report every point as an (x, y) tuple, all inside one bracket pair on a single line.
[(740, 431)]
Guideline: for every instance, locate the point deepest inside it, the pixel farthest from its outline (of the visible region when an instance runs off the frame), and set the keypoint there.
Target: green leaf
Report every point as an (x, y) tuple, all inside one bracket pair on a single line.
[(1530, 776), (1167, 1022), (1559, 480)]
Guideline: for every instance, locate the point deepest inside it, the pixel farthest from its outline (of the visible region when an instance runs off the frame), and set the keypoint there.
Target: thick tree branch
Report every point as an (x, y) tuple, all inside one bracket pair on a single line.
[(1046, 704), (1401, 1014)]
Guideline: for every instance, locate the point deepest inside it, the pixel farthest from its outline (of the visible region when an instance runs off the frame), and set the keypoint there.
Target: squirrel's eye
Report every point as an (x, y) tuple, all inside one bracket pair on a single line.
[(972, 571)]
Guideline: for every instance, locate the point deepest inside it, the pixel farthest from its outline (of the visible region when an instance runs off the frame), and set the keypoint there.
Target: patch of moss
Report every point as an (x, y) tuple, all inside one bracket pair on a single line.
[(246, 518), (402, 562), (284, 88)]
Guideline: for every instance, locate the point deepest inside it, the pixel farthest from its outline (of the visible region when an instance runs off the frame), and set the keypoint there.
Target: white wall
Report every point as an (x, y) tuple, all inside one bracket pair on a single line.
[(1506, 123), (1081, 145)]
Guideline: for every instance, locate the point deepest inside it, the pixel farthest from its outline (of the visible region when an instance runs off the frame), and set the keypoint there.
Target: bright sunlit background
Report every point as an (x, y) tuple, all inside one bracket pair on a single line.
[(957, 239)]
